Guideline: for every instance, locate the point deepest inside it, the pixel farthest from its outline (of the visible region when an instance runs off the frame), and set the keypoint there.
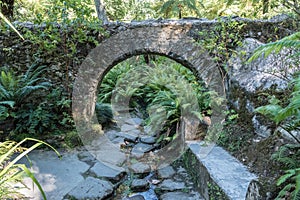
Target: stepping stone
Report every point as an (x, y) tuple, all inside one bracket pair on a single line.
[(56, 176), (128, 127), (86, 157), (111, 134), (108, 171), (91, 188), (140, 168), (166, 172), (148, 131), (180, 196), (128, 137), (142, 148), (107, 152), (134, 121), (118, 141), (170, 185), (148, 139), (139, 185), (135, 197)]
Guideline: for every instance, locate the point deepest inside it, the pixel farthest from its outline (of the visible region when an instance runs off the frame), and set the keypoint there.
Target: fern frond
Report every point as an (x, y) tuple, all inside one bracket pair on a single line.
[(292, 41)]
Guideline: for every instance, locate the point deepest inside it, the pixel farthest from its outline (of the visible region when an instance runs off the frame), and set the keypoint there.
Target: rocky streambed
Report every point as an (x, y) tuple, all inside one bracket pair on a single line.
[(82, 175)]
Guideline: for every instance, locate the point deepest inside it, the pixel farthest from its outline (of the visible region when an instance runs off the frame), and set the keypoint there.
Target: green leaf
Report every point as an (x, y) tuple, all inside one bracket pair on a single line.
[(8, 22), (32, 177)]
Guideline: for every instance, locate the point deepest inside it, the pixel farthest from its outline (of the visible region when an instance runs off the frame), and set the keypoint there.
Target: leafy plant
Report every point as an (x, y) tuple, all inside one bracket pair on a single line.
[(292, 41), (17, 90), (287, 117), (162, 99), (11, 171), (10, 25), (292, 189), (51, 115), (222, 40), (176, 8)]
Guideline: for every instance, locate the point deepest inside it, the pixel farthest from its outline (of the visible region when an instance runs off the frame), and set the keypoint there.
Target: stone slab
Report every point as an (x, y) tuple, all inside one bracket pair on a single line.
[(225, 170), (91, 188), (108, 171), (56, 176), (180, 196)]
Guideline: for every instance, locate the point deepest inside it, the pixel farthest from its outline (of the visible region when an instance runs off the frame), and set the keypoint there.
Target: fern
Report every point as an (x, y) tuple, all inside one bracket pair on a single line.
[(16, 91), (293, 188), (292, 41), (287, 117)]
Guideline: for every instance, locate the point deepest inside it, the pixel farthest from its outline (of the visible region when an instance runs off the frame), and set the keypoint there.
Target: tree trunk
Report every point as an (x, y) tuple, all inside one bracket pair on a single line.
[(101, 13), (7, 8)]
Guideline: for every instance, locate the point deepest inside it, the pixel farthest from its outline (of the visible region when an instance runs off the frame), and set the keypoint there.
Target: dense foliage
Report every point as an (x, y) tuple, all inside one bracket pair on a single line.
[(154, 92), (286, 115), (36, 107)]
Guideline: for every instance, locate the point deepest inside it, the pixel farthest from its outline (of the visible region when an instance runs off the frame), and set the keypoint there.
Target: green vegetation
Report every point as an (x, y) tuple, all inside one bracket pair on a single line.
[(286, 115), (32, 105), (158, 88), (11, 172)]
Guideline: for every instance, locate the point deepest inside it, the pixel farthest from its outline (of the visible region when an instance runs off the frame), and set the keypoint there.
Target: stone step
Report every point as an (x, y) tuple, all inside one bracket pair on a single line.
[(215, 171)]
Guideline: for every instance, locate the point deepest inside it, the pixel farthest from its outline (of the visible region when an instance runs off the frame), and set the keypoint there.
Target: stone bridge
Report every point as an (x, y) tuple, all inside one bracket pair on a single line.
[(175, 39)]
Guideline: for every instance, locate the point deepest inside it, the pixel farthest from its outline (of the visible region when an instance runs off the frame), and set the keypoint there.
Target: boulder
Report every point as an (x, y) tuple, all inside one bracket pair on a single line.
[(249, 82)]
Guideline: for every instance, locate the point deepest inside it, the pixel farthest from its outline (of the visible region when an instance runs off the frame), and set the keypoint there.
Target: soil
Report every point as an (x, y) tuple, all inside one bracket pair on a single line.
[(256, 153)]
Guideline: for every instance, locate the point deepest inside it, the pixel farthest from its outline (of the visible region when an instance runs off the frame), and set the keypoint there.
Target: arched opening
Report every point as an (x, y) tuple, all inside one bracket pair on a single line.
[(169, 41), (151, 84)]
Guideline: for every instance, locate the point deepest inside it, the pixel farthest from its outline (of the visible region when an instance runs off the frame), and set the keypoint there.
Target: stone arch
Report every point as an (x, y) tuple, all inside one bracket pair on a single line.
[(171, 40)]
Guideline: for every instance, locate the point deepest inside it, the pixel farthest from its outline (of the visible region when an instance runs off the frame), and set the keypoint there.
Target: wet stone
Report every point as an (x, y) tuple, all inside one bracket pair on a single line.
[(111, 134), (148, 130), (140, 168), (166, 172), (148, 139), (108, 171), (118, 141), (139, 185), (142, 148), (136, 155), (134, 121), (86, 157), (135, 197), (170, 185), (128, 137), (129, 128), (180, 196), (91, 188)]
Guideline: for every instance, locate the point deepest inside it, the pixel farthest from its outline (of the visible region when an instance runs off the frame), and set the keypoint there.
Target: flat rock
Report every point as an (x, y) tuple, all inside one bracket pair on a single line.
[(180, 196), (139, 185), (86, 156), (108, 171), (134, 121), (148, 130), (107, 152), (128, 127), (135, 197), (127, 136), (111, 134), (170, 185), (142, 148), (56, 176), (140, 168), (118, 140), (91, 188), (148, 139), (166, 172)]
